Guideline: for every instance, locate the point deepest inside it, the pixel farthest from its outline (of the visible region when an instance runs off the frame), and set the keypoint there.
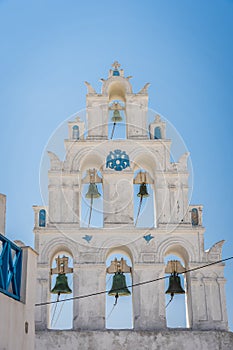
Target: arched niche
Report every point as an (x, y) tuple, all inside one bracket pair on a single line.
[(116, 88), (119, 249), (119, 316), (181, 250), (143, 158), (144, 206), (116, 127), (60, 315), (92, 159), (176, 306), (177, 246), (117, 91), (157, 133), (55, 246), (75, 132), (88, 157), (42, 218), (91, 199), (194, 217)]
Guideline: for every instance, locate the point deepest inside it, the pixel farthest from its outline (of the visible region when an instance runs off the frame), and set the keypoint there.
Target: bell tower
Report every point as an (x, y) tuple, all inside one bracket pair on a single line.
[(114, 164)]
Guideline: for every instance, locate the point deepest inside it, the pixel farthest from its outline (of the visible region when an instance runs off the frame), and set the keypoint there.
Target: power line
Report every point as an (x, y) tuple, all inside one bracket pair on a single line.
[(132, 285)]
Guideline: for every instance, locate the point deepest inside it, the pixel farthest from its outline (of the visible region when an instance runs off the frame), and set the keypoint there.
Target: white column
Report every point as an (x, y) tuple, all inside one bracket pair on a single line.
[(118, 198), (148, 299), (89, 313)]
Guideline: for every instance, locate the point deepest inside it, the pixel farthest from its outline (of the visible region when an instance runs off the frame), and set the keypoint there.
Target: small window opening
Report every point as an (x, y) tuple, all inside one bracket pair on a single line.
[(157, 133), (42, 218), (75, 132)]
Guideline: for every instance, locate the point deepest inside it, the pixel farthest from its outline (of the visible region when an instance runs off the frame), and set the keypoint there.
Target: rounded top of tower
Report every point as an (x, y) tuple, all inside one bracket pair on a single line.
[(116, 86)]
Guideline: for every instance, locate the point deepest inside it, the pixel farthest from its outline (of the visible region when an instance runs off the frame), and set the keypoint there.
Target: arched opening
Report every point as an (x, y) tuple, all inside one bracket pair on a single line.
[(75, 132), (176, 304), (91, 199), (117, 120), (117, 91), (119, 315), (157, 133), (61, 288), (194, 216), (144, 213), (42, 218)]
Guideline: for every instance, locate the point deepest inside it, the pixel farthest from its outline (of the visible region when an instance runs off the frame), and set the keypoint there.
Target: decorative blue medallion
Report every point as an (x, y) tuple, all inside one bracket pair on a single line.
[(117, 160)]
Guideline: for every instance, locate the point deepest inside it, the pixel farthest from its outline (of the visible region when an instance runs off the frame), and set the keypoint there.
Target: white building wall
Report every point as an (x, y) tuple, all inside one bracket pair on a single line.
[(134, 340), (16, 316)]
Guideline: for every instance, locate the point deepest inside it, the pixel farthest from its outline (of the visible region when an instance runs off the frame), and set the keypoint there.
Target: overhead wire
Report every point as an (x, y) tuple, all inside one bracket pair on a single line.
[(134, 284)]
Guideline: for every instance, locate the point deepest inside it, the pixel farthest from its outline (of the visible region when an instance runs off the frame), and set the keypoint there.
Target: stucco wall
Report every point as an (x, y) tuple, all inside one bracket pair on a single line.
[(14, 314), (127, 340)]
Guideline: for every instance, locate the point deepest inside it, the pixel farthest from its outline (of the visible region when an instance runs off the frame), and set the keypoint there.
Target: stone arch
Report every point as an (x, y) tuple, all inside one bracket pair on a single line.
[(61, 284), (120, 244), (89, 157), (145, 158), (177, 246), (126, 280), (56, 245), (121, 250), (116, 88)]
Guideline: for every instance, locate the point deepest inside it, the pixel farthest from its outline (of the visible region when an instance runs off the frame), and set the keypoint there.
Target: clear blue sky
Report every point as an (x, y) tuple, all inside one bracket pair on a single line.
[(183, 48)]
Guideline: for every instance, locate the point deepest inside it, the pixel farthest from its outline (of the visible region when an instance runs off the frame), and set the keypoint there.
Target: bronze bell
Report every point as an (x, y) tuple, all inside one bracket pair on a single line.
[(116, 116), (119, 287), (92, 191), (61, 285), (174, 285), (143, 191)]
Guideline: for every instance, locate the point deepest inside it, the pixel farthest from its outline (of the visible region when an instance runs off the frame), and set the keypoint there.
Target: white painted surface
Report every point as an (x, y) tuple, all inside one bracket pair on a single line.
[(134, 340), (14, 314), (173, 232)]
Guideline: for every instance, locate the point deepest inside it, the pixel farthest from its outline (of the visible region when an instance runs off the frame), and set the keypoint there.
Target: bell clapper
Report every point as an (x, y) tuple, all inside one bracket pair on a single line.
[(54, 312), (113, 129), (89, 221), (116, 298), (139, 209), (172, 296)]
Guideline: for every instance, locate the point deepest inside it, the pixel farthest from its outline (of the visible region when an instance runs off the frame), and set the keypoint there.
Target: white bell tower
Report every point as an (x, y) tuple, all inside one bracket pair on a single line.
[(114, 166)]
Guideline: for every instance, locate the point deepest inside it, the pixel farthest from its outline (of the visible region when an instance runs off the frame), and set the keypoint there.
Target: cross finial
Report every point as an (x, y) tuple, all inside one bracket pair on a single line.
[(116, 65)]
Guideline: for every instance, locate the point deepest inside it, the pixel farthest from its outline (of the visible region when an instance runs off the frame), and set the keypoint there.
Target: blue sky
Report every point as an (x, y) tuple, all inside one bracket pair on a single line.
[(183, 48)]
